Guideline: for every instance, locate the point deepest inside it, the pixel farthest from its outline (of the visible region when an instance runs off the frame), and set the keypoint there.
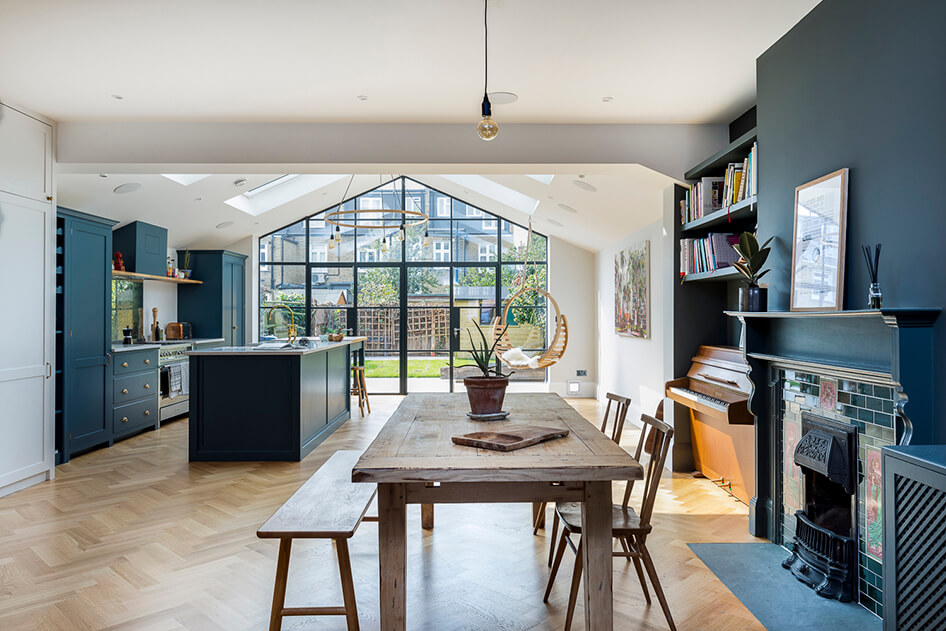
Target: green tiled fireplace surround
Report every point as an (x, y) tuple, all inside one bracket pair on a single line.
[(867, 406)]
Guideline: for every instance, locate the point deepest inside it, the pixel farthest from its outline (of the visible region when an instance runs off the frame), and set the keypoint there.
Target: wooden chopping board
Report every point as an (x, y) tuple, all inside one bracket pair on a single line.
[(510, 438)]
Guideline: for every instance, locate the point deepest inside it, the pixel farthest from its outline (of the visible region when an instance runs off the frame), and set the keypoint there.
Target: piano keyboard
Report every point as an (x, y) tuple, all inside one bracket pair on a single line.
[(705, 399)]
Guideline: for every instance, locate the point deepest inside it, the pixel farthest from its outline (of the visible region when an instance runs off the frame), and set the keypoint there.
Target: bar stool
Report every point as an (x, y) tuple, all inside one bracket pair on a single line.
[(359, 387)]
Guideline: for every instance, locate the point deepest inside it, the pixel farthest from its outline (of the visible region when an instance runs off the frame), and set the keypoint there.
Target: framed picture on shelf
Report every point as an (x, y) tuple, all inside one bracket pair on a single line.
[(818, 243)]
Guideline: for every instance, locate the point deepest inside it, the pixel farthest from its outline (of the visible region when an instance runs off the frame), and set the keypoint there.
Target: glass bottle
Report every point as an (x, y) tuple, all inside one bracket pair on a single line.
[(875, 297)]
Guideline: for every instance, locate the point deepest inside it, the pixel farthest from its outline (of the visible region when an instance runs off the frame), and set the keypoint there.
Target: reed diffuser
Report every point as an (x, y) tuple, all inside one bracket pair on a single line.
[(875, 298)]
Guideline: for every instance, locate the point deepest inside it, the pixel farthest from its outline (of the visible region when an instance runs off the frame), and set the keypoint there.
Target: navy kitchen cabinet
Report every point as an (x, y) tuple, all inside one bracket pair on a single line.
[(217, 307), (144, 248), (83, 330)]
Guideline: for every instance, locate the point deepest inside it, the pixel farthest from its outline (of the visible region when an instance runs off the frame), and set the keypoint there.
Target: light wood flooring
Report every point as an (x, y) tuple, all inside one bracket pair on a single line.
[(135, 537)]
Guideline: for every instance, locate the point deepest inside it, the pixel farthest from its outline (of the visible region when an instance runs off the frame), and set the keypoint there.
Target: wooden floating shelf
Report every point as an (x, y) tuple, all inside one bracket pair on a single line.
[(724, 216), (163, 279), (722, 274), (736, 151)]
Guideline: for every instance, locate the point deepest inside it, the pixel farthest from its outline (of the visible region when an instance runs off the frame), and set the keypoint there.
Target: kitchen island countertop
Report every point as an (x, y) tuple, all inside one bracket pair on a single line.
[(316, 347)]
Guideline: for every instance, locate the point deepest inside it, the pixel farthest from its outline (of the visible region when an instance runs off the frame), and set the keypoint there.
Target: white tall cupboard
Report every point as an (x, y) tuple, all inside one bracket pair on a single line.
[(27, 301)]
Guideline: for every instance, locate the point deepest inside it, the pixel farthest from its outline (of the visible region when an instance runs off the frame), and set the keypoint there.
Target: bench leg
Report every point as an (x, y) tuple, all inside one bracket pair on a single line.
[(348, 585), (279, 591)]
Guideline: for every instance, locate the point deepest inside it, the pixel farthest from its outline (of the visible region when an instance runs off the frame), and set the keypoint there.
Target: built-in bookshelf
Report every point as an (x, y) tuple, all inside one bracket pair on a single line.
[(700, 298)]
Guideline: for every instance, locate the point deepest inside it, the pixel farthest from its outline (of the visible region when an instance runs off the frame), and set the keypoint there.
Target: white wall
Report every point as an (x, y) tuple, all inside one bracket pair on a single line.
[(631, 366), (572, 284)]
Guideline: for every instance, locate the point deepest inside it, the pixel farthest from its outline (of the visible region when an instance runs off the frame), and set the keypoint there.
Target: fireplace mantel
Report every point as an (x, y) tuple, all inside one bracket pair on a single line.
[(890, 345)]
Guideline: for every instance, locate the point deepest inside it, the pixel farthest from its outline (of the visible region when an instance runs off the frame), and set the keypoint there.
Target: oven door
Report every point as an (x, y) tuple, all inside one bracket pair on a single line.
[(168, 406)]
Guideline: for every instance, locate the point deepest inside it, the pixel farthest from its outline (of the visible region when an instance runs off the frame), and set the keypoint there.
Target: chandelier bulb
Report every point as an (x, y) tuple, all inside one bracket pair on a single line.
[(426, 239), (401, 235), (384, 245)]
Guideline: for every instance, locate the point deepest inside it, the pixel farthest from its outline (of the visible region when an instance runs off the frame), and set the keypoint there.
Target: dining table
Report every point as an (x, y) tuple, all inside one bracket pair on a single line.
[(414, 461)]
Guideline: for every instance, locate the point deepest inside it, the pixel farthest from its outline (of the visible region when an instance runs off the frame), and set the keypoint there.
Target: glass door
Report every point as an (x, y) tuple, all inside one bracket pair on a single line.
[(378, 298), (428, 328), (472, 311)]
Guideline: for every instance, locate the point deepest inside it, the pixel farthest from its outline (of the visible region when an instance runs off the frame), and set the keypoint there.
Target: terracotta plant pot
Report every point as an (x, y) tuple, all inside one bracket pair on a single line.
[(486, 394), (336, 337)]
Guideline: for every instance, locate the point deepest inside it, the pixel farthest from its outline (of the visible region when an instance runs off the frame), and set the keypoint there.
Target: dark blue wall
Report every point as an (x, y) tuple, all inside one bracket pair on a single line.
[(863, 85)]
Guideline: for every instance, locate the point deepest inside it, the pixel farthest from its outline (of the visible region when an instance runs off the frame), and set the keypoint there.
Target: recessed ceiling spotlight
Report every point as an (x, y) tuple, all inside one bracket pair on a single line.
[(239, 182), (127, 187), (555, 222), (607, 99), (362, 97), (585, 186), (102, 175), (503, 98), (224, 224), (568, 209), (117, 97)]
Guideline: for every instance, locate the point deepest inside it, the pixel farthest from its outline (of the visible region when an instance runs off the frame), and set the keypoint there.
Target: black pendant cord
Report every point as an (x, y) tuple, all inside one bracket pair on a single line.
[(485, 46)]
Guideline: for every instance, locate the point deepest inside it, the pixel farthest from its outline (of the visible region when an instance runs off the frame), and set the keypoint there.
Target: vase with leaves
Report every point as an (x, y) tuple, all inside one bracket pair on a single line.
[(487, 390), (187, 264), (752, 259)]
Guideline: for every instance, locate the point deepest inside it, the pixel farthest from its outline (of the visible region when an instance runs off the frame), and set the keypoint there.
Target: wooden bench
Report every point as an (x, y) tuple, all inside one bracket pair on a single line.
[(328, 506)]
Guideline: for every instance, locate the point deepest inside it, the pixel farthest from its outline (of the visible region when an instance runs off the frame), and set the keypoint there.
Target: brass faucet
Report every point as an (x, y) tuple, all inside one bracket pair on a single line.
[(291, 327)]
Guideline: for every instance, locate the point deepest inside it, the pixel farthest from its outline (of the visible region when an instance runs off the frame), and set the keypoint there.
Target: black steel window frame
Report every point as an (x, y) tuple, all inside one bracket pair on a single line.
[(403, 264)]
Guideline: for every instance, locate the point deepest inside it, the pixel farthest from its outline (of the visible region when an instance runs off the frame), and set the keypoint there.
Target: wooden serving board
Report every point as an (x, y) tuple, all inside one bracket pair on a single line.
[(510, 438)]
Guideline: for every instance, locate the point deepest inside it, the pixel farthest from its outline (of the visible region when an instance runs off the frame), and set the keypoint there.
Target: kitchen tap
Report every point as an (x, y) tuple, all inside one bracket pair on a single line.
[(291, 327)]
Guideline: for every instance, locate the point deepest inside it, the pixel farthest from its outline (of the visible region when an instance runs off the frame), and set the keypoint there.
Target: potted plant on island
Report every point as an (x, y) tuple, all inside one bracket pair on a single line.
[(751, 259), (487, 391), (333, 329)]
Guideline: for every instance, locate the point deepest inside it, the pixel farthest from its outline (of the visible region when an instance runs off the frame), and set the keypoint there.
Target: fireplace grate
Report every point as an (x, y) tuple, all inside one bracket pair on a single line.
[(921, 558)]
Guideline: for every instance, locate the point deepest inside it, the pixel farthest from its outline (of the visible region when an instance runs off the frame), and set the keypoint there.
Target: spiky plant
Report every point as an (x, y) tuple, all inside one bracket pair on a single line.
[(752, 257), (483, 355)]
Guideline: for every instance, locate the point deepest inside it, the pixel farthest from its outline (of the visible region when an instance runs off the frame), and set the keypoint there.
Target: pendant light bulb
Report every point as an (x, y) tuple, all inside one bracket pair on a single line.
[(487, 129), (426, 239), (384, 245), (331, 243), (401, 234)]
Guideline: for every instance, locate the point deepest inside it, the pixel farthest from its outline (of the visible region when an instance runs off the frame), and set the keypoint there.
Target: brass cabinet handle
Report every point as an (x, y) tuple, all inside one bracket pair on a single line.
[(108, 356), (234, 327), (147, 412), (124, 390), (147, 361), (124, 364), (124, 419), (147, 386)]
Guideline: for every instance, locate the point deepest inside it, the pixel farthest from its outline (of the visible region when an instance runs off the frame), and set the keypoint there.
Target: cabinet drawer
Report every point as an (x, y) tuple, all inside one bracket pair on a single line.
[(127, 418), (127, 362), (135, 387)]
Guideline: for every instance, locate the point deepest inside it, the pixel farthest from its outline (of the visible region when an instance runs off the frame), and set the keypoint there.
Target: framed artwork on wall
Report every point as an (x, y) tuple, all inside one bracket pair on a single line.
[(818, 243), (632, 291)]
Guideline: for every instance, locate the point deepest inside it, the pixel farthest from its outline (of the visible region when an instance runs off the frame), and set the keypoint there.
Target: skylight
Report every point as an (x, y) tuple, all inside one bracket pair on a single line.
[(494, 190), (545, 179), (279, 191), (186, 178)]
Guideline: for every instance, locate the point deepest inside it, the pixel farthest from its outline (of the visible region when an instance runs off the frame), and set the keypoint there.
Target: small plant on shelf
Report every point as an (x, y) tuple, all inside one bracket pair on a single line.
[(752, 259), (187, 264)]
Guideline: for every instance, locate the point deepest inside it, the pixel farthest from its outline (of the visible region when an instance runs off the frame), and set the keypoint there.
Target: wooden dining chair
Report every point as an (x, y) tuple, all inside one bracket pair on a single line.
[(617, 428), (627, 526)]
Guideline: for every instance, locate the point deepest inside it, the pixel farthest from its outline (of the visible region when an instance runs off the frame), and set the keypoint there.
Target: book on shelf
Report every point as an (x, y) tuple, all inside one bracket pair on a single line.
[(707, 254), (740, 181)]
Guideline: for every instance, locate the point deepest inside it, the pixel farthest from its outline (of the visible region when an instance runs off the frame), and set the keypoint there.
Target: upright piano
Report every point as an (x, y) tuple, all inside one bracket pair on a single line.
[(716, 390)]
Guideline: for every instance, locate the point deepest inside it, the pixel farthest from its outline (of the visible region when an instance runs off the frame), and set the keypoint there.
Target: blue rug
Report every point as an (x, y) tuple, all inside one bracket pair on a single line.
[(753, 573)]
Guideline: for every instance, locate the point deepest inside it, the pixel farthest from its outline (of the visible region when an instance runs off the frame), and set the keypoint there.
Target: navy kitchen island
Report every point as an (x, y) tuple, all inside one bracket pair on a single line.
[(255, 405)]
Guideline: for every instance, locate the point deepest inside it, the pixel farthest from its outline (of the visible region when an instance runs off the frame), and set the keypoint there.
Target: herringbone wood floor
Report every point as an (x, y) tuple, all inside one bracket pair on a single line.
[(135, 537)]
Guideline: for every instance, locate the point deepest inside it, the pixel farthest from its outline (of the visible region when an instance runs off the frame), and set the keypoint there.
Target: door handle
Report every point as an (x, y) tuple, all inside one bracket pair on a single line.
[(456, 331), (108, 357), (49, 370), (147, 386)]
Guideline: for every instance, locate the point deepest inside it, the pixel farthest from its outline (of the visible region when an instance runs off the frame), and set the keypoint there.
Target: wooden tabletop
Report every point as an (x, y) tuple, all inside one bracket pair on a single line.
[(415, 446)]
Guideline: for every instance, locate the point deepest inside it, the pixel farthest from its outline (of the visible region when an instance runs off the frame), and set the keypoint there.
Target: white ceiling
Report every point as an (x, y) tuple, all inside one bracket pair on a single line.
[(686, 61), (627, 198)]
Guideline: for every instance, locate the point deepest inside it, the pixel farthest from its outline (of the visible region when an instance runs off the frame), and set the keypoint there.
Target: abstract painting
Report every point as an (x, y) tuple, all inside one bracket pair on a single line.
[(632, 291)]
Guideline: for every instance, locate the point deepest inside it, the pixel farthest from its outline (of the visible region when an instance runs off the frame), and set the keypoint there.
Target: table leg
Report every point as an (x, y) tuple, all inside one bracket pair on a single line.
[(392, 510), (596, 551), (427, 516), (538, 515)]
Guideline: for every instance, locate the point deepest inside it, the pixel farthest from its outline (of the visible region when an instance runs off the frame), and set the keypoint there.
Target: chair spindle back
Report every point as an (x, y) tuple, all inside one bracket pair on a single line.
[(620, 415), (655, 440)]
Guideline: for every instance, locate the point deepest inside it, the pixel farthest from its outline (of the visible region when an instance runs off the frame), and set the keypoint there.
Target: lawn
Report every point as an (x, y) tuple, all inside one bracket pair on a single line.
[(416, 367)]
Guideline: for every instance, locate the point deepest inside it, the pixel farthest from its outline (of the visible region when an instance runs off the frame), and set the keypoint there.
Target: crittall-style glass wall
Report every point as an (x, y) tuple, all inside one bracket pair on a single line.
[(417, 301)]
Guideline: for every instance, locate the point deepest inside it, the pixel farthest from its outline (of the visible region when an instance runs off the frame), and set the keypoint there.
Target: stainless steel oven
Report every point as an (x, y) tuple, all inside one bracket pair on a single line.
[(174, 397)]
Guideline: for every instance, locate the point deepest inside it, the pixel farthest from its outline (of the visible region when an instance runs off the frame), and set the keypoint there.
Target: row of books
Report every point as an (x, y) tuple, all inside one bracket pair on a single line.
[(710, 194), (710, 253)]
